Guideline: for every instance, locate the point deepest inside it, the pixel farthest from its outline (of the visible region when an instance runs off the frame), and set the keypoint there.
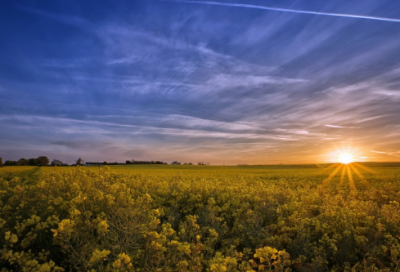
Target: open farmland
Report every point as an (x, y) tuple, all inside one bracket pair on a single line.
[(200, 218)]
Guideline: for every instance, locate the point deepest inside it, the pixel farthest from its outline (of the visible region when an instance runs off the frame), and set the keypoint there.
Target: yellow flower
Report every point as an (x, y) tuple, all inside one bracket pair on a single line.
[(102, 227), (10, 237), (99, 255)]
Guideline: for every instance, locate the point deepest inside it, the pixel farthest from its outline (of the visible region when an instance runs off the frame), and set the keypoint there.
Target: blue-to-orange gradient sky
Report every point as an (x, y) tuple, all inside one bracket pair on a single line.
[(210, 81)]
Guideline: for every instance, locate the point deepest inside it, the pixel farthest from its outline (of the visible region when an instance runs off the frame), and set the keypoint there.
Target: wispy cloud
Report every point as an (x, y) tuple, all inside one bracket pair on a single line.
[(172, 78), (333, 126), (390, 153), (393, 95), (354, 16), (370, 119), (63, 18)]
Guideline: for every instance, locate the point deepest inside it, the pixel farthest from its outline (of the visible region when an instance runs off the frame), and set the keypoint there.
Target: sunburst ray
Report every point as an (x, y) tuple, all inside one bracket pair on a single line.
[(342, 176), (332, 175), (361, 176), (363, 167), (351, 180)]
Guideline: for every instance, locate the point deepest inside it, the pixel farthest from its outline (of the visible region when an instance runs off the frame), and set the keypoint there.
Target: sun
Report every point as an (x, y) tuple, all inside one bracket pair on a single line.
[(345, 158)]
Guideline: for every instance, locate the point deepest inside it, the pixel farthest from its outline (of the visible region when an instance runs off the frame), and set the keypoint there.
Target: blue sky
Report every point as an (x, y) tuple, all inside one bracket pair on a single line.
[(172, 80)]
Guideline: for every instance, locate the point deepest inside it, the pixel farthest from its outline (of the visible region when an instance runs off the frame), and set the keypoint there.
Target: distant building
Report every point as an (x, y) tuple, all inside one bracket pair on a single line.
[(57, 163), (93, 163), (144, 162), (175, 163)]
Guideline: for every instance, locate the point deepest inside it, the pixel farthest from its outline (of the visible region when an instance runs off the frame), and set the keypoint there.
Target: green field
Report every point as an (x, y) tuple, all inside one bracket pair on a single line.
[(201, 218)]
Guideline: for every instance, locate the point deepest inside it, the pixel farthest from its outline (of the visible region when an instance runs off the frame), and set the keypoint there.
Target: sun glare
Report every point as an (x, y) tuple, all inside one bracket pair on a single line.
[(346, 162), (345, 158)]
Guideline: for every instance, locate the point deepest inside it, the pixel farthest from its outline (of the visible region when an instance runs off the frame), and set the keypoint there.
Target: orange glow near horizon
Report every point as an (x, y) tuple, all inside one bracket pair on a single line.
[(346, 155), (346, 158), (346, 165)]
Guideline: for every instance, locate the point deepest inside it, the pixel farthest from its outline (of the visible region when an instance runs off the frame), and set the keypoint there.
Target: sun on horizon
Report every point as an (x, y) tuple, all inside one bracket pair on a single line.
[(346, 158)]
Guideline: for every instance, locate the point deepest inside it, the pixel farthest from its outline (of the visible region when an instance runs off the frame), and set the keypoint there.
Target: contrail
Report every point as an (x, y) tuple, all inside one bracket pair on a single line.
[(288, 10)]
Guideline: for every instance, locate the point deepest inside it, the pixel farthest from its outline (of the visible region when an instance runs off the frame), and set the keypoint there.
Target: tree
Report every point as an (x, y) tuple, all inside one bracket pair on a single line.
[(79, 162), (1, 162), (43, 160), (10, 163), (33, 162), (22, 162)]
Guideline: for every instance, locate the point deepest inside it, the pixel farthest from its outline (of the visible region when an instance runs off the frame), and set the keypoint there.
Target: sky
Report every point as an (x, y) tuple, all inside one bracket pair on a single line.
[(222, 82)]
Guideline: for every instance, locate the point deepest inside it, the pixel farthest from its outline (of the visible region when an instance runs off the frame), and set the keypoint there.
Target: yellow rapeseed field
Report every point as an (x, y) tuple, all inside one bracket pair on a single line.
[(200, 218)]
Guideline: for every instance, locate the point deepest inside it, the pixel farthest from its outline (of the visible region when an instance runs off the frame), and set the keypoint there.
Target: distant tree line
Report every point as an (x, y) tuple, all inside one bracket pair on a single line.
[(40, 161), (144, 162), (44, 161), (104, 163)]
